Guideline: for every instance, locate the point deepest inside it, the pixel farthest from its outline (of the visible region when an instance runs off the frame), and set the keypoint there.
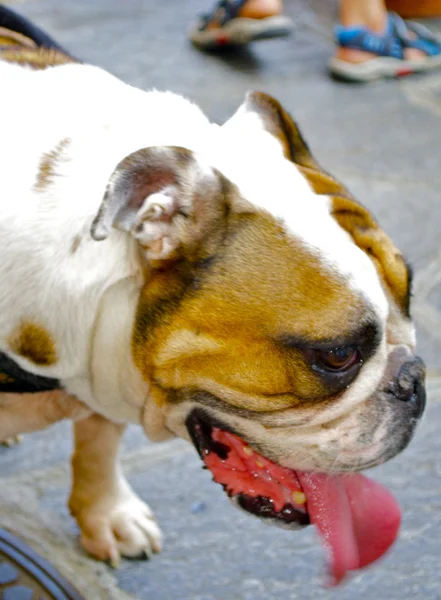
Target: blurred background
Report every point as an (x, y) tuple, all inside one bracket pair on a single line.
[(383, 140)]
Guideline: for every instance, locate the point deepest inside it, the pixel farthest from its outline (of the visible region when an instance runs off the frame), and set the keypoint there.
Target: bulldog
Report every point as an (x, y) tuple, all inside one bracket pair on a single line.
[(208, 282)]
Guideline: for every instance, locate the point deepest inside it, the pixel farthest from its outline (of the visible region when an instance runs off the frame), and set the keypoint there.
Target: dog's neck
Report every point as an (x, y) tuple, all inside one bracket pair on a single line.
[(67, 149), (115, 387)]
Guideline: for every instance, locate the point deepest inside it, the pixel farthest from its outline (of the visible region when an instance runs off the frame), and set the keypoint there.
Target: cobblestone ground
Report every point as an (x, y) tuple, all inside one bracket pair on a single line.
[(383, 141)]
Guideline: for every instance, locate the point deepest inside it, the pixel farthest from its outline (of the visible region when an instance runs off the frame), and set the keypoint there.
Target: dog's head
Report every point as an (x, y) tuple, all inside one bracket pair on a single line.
[(275, 308)]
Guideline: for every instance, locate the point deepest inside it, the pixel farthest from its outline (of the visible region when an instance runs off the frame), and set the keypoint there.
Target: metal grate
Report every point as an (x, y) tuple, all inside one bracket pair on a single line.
[(24, 575)]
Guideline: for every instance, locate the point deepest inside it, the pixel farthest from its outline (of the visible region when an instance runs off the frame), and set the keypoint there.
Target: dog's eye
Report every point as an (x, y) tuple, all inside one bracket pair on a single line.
[(336, 360)]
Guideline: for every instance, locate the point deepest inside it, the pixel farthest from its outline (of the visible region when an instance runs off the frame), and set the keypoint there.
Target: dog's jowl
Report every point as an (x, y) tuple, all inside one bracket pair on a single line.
[(208, 282)]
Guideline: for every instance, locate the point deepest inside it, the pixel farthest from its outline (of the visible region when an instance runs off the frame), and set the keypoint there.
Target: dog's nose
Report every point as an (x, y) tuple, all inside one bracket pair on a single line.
[(409, 384)]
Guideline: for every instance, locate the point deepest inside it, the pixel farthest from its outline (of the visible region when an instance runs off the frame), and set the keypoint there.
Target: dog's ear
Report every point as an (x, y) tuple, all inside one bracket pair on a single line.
[(279, 123), (166, 198)]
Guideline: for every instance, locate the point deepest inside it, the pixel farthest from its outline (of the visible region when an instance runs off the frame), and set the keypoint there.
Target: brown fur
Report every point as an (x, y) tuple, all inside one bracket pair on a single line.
[(350, 215), (13, 38), (17, 48), (96, 446), (368, 236), (280, 124), (47, 169), (36, 58), (175, 347), (323, 183), (35, 343)]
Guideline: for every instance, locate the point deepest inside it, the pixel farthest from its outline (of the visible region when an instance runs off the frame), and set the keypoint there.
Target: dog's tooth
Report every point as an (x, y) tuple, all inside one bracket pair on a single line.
[(299, 497), (259, 464), (248, 450)]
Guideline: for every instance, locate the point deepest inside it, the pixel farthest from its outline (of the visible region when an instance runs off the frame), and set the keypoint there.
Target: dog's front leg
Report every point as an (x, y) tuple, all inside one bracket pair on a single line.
[(113, 521)]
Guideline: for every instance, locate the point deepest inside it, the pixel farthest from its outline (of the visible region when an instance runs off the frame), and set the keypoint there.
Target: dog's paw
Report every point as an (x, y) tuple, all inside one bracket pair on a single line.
[(116, 526)]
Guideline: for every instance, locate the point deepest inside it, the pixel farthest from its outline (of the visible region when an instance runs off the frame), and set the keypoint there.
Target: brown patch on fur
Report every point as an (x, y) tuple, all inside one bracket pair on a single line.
[(350, 215), (366, 233), (36, 58), (225, 337), (281, 125), (368, 236), (34, 343), (21, 50), (48, 163), (13, 38), (323, 183)]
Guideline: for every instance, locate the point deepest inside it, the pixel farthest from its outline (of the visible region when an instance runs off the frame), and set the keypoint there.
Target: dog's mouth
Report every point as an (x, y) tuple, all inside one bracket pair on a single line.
[(258, 485), (357, 518)]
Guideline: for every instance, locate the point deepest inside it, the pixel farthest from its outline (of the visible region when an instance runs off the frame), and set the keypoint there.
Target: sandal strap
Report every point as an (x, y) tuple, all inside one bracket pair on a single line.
[(393, 41), (423, 39), (223, 11), (362, 38)]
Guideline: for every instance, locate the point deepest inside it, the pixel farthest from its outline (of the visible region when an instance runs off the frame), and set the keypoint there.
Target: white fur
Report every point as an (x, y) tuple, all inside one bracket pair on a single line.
[(104, 120), (43, 281), (119, 524), (277, 186)]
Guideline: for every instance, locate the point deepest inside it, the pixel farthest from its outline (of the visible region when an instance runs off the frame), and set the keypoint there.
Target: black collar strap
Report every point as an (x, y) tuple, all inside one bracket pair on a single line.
[(14, 379)]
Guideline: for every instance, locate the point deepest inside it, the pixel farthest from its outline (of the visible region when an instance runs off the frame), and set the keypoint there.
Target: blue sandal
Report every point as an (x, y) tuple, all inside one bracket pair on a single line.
[(389, 49), (223, 27)]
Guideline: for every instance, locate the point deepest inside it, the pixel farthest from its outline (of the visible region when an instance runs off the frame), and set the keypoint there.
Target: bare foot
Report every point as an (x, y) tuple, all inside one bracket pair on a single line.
[(255, 9), (261, 9)]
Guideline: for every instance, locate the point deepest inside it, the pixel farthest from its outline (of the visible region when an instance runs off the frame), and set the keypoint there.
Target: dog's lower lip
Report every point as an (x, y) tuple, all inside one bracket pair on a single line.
[(263, 507)]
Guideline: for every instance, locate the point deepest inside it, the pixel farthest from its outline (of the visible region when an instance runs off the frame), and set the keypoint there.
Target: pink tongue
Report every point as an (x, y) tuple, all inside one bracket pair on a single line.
[(357, 518)]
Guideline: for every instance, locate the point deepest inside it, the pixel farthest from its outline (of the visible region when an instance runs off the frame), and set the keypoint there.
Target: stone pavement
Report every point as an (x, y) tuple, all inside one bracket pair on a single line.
[(383, 140)]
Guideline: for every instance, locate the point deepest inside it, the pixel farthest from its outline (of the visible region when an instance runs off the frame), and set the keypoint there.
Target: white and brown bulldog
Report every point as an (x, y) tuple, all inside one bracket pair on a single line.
[(207, 282)]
